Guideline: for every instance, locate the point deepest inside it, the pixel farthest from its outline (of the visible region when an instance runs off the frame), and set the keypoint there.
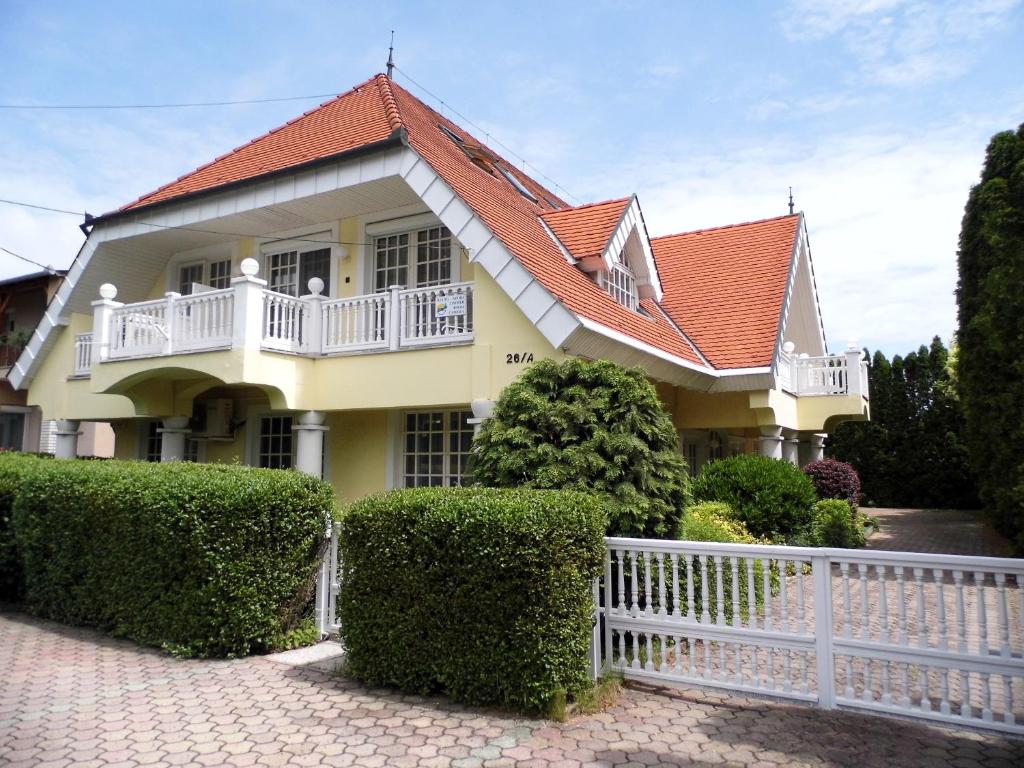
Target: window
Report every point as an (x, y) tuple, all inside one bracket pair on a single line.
[(188, 274), (620, 283), (12, 430), (289, 272), (220, 274), (515, 182), (436, 448), (690, 456), (433, 247), (153, 441), (276, 443)]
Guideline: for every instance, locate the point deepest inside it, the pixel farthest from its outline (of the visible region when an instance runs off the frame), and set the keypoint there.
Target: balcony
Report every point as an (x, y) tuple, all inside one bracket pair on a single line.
[(802, 375), (249, 315)]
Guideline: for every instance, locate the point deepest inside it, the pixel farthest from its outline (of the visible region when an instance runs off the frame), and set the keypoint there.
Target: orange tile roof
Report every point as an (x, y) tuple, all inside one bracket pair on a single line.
[(725, 287), (585, 231), (717, 301)]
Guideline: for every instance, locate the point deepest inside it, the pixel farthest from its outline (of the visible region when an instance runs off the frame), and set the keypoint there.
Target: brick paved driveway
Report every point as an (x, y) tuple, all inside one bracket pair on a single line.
[(938, 531), (74, 697)]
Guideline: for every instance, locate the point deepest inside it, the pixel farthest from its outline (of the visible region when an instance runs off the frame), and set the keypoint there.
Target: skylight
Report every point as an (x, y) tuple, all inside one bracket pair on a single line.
[(517, 184), (451, 134)]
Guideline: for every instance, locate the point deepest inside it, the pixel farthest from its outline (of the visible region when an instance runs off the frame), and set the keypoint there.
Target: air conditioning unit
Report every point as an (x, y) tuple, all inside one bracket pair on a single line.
[(212, 418)]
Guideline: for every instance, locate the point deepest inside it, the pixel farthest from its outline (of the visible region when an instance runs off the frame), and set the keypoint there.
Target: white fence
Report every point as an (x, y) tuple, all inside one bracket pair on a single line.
[(932, 636), (844, 374), (83, 354)]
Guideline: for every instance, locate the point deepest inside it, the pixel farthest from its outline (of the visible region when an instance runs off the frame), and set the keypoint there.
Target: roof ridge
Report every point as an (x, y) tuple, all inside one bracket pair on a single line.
[(390, 105), (569, 209), (728, 226)]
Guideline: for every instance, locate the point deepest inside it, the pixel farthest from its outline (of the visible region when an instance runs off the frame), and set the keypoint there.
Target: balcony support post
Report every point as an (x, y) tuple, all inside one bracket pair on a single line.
[(173, 433), (771, 441), (394, 317), (247, 330), (169, 321), (313, 310), (790, 446), (67, 438), (102, 320), (853, 377), (309, 432)]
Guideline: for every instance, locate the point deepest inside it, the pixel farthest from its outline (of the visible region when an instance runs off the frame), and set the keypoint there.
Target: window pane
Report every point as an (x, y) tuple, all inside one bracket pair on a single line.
[(315, 264), (220, 274)]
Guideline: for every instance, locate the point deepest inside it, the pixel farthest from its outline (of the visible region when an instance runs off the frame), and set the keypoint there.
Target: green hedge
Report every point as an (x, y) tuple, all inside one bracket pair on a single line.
[(14, 468), (836, 524), (771, 497), (482, 594), (200, 559)]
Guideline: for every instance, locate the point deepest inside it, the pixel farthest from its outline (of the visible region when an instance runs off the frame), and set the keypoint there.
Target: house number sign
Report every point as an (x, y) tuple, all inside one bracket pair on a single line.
[(512, 358), (450, 305)]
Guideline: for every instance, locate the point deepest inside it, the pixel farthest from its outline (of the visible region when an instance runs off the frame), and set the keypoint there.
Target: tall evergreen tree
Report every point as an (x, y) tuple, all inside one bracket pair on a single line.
[(990, 298), (911, 453)]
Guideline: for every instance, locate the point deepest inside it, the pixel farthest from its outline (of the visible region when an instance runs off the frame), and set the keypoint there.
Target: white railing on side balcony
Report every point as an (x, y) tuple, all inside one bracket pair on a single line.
[(202, 320), (83, 354), (285, 319), (360, 323), (138, 329), (443, 313), (844, 374)]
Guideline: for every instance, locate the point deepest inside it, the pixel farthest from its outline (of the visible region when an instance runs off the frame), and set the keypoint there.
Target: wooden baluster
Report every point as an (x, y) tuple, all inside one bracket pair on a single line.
[(649, 661), (693, 655), (1004, 619), (844, 570), (787, 655), (662, 603), (690, 610), (983, 649), (938, 576), (705, 615), (867, 693), (634, 586), (719, 592), (1008, 716), (676, 597), (766, 586), (736, 605), (883, 604), (648, 608), (922, 627), (801, 609), (751, 599), (901, 603), (622, 648), (678, 667), (961, 630), (620, 558), (862, 570), (966, 708)]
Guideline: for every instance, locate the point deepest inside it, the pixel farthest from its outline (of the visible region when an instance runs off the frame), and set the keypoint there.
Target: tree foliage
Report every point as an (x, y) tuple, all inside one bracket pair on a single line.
[(990, 298), (911, 453), (588, 425)]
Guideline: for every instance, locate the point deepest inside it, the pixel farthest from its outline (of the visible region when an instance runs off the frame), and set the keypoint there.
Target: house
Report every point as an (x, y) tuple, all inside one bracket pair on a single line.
[(349, 293), (23, 300)]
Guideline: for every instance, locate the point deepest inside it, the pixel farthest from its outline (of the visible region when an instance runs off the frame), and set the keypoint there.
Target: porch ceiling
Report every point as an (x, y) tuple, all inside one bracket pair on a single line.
[(134, 263)]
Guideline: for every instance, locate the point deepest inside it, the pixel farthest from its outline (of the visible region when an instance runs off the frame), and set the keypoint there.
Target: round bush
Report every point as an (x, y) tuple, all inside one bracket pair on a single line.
[(714, 521), (835, 480), (771, 497), (588, 426), (836, 525)]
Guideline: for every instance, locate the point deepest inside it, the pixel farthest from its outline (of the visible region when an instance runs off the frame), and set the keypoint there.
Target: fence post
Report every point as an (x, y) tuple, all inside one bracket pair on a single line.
[(324, 620), (821, 566), (594, 652)]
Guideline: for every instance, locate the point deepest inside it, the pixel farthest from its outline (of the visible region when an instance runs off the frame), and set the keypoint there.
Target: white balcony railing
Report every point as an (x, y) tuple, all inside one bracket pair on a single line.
[(249, 315), (83, 354), (803, 375)]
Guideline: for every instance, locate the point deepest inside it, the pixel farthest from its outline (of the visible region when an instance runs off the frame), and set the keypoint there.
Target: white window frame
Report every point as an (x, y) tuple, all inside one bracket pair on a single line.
[(251, 442), (206, 256), (300, 240), (620, 283), (403, 225), (402, 432)]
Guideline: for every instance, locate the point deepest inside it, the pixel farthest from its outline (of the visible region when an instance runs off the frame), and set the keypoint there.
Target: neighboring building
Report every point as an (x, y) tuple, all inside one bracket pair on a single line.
[(23, 300), (350, 292)]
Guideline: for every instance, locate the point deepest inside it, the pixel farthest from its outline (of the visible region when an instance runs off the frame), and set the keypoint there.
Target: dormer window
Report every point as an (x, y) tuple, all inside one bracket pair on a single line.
[(620, 283)]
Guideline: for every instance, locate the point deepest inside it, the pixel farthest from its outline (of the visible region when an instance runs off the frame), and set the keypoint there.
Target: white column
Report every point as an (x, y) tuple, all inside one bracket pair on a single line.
[(771, 441), (309, 432), (482, 411), (67, 439), (853, 377), (173, 434), (247, 322), (102, 332), (790, 446), (817, 451), (312, 332), (394, 317)]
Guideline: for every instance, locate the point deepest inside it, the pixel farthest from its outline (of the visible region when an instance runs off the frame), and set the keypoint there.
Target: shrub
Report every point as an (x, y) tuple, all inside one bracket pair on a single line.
[(482, 594), (14, 468), (590, 426), (200, 559), (835, 524), (771, 497), (834, 480)]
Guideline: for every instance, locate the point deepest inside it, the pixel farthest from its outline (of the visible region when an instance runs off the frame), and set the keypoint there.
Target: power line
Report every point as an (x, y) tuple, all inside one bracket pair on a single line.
[(47, 267), (168, 106), (489, 137)]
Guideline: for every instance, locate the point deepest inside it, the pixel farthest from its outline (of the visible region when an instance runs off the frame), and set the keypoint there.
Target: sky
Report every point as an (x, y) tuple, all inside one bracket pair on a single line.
[(876, 112)]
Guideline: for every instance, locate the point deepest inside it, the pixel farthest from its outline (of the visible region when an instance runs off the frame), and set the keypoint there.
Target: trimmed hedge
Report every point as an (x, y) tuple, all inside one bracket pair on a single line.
[(14, 468), (836, 524), (200, 559), (482, 594), (771, 497), (835, 480)]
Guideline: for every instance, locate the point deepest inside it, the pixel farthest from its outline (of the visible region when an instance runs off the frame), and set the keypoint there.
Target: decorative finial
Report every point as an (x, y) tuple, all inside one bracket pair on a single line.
[(790, 201), (391, 60)]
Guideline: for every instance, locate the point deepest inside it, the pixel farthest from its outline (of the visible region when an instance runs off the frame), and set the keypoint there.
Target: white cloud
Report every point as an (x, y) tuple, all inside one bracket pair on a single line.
[(900, 42)]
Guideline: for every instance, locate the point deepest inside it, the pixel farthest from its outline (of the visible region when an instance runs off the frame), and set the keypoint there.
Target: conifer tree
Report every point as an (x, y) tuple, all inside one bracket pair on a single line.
[(990, 302), (591, 426)]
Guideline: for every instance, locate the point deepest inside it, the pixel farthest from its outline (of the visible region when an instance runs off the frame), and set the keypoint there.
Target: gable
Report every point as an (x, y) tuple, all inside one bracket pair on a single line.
[(801, 321)]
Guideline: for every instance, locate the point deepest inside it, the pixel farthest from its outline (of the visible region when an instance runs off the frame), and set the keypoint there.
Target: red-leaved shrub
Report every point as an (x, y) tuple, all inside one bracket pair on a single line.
[(834, 480)]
